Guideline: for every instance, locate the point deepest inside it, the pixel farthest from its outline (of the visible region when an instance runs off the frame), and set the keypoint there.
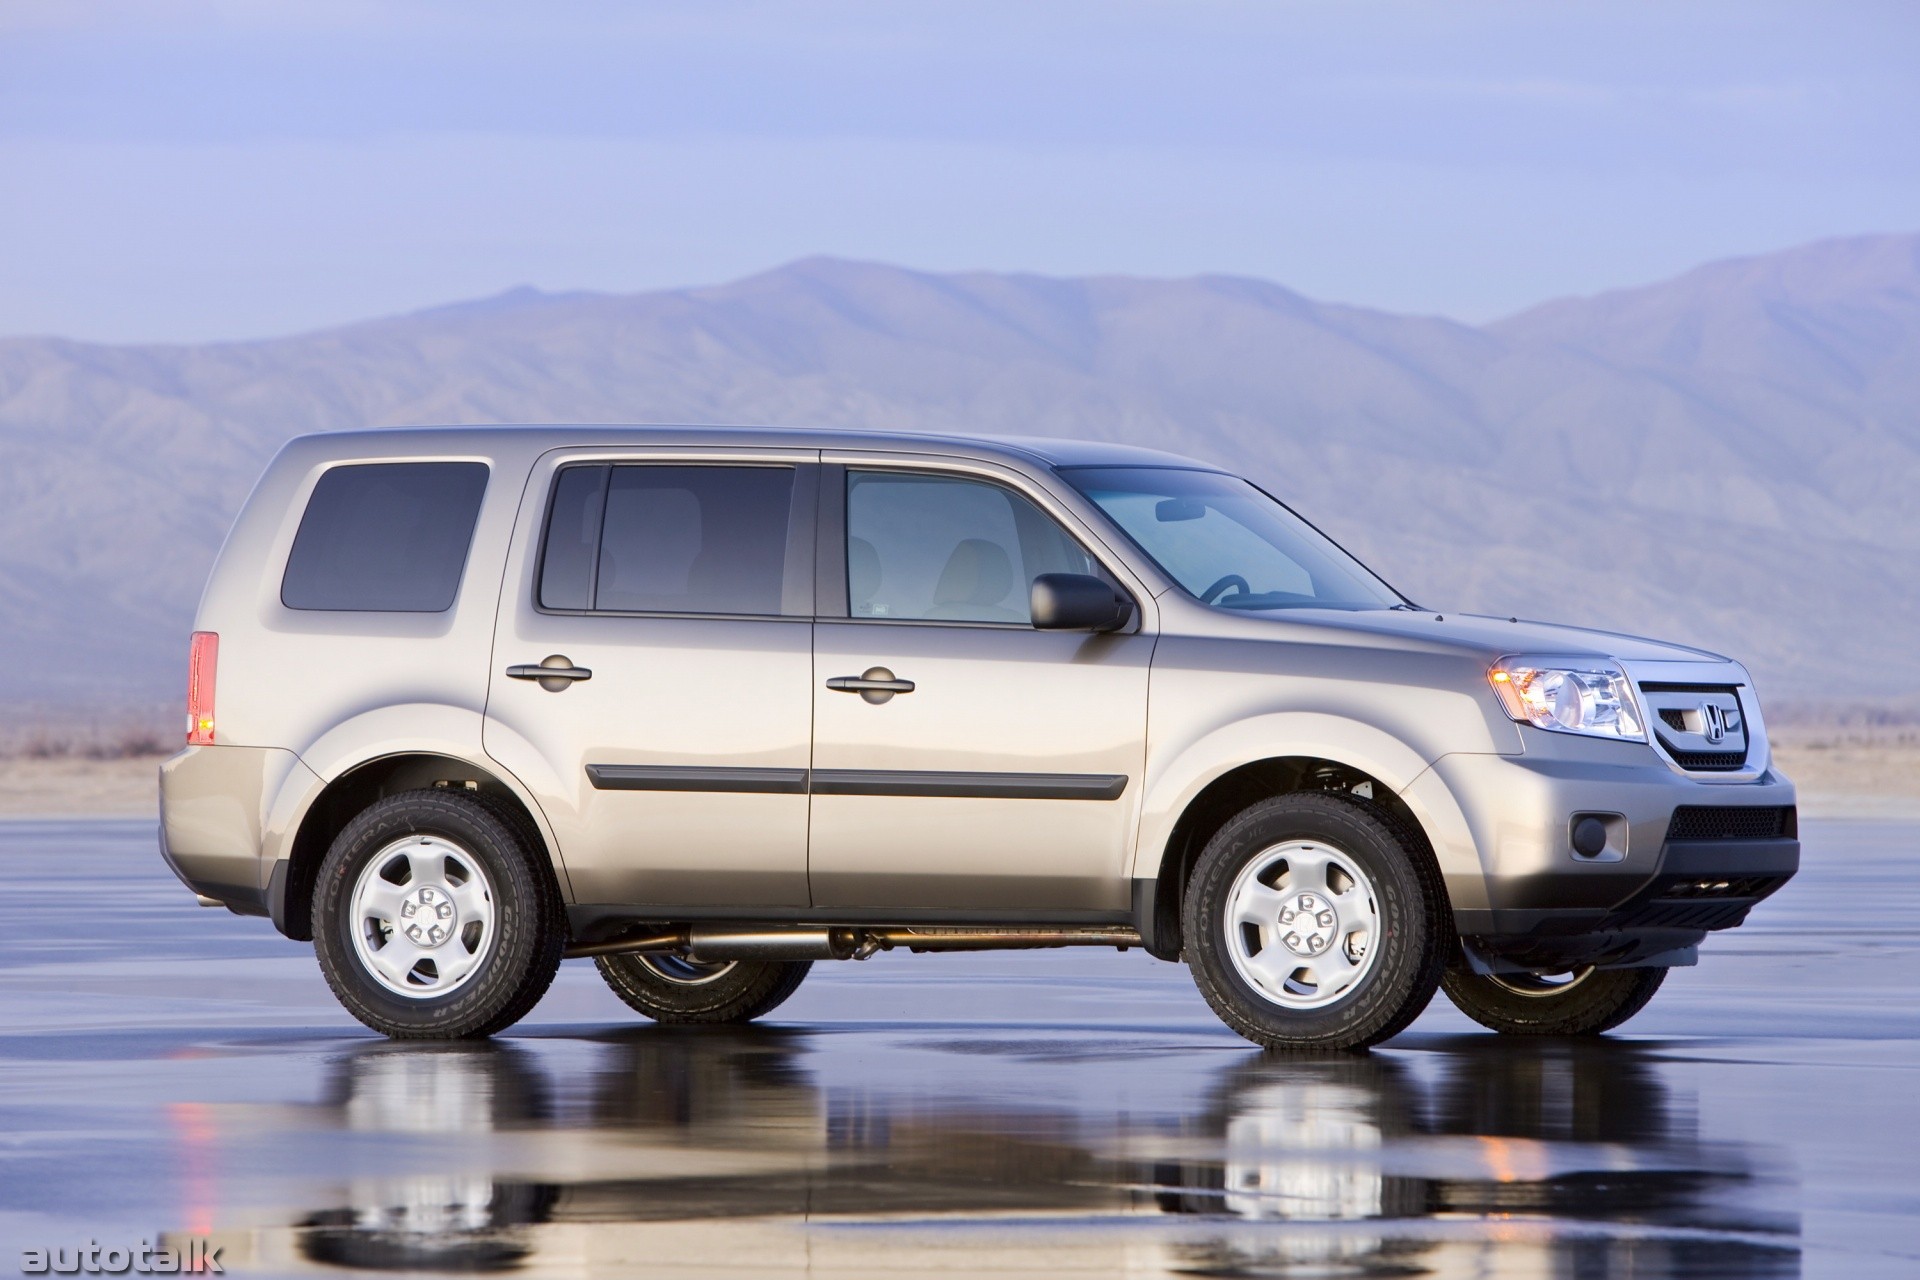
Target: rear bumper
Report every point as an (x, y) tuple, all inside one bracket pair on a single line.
[(214, 804)]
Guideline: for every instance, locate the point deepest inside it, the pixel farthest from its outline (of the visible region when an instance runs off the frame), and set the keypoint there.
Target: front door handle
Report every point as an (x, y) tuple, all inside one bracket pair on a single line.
[(875, 684), (554, 672)]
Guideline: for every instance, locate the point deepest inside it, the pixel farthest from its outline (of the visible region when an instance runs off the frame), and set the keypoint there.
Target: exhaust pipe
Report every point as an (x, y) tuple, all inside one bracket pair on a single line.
[(844, 942), (628, 944), (964, 938)]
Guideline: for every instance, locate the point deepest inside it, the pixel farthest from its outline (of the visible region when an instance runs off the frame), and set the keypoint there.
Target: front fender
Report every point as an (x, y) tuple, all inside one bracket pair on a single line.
[(1174, 783)]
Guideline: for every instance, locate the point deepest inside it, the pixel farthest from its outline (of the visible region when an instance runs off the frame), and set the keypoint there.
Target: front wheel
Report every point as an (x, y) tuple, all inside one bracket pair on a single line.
[(1584, 1002), (671, 988), (1314, 922)]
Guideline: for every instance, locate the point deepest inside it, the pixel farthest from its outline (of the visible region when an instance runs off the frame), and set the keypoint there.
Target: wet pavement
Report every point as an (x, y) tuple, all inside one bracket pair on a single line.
[(168, 1071)]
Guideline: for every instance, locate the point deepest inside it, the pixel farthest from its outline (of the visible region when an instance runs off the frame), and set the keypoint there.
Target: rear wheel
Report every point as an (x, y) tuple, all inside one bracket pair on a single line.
[(435, 918), (1312, 922), (670, 988), (1583, 1002)]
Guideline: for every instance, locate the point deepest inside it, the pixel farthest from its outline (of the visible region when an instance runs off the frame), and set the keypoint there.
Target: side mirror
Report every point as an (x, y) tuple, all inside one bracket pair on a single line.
[(1077, 602)]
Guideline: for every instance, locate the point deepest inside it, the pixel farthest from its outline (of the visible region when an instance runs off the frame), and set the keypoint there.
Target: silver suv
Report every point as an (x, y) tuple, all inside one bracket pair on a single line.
[(710, 705)]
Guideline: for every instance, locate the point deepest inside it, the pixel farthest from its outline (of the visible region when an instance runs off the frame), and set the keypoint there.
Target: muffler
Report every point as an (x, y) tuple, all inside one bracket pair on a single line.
[(718, 942)]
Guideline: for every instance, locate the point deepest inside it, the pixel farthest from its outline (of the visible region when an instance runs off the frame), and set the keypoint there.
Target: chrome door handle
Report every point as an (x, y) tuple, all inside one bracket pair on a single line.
[(554, 672), (875, 684)]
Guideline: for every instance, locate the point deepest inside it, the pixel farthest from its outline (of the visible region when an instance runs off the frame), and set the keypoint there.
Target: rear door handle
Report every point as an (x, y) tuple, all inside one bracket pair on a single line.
[(555, 672), (875, 684)]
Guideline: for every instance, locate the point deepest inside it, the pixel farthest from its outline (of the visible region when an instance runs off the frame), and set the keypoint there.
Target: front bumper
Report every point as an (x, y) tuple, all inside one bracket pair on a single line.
[(1701, 887), (1662, 884)]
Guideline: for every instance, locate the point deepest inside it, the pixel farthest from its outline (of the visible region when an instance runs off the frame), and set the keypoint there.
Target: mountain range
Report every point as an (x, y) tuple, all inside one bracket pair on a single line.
[(1730, 458)]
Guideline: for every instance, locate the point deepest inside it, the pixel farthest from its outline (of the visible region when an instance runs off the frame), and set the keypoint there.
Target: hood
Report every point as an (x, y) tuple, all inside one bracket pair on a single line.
[(1496, 637)]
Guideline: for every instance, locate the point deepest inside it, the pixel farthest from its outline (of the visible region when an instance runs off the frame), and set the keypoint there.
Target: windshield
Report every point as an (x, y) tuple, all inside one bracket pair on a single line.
[(1229, 544)]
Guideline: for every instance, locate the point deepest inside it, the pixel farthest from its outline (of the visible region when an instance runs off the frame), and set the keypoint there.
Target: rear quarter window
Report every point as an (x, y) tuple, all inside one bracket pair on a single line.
[(385, 537)]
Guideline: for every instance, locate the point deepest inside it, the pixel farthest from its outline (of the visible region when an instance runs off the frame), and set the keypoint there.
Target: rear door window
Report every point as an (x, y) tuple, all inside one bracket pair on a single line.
[(385, 537), (632, 538)]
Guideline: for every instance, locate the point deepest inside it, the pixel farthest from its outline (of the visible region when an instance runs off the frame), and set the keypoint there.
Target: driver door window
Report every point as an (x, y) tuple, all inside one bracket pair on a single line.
[(947, 549)]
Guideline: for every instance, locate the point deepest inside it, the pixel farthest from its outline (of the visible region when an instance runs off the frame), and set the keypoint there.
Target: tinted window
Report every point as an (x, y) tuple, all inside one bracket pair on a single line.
[(573, 537), (668, 539), (385, 537), (942, 548)]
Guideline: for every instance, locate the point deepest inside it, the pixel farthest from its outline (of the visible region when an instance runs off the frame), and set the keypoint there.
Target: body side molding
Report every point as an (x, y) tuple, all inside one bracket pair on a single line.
[(981, 786), (860, 782), (647, 777)]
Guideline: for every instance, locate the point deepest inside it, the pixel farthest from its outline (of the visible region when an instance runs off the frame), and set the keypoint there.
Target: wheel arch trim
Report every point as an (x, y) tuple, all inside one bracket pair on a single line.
[(1173, 786), (415, 745), (1261, 750)]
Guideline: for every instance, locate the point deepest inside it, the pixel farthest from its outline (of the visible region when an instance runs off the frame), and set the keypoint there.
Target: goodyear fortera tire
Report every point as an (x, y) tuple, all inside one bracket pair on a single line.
[(669, 989), (1584, 1003), (1314, 922), (436, 918)]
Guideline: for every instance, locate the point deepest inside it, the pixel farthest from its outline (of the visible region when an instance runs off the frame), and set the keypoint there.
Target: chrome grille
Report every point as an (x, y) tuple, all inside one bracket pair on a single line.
[(1703, 727)]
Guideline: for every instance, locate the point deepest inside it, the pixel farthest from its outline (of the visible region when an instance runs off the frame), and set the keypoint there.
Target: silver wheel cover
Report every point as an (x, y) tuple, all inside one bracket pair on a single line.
[(683, 972), (422, 916), (1301, 924), (1536, 986)]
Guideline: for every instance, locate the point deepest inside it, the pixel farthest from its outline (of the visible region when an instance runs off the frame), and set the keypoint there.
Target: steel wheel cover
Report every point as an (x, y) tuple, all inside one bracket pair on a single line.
[(1301, 922), (684, 972), (422, 916), (1540, 986)]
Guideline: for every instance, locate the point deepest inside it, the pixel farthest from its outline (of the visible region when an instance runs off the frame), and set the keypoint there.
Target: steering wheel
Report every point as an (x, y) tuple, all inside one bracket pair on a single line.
[(1219, 588)]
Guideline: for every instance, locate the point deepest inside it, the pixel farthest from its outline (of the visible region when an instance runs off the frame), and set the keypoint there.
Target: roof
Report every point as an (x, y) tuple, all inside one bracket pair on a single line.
[(1052, 452)]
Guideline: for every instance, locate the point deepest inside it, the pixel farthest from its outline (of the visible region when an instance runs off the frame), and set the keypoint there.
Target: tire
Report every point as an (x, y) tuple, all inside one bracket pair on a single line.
[(462, 874), (669, 989), (1366, 958), (1591, 1001)]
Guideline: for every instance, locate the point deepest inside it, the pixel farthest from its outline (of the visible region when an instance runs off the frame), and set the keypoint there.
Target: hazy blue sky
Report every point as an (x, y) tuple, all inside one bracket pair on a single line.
[(186, 171)]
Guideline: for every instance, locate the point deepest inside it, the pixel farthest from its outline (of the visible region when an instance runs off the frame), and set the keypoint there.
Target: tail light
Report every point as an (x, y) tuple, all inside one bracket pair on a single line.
[(202, 659)]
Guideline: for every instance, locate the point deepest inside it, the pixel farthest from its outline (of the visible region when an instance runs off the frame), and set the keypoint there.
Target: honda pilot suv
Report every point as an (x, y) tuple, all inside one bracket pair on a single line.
[(710, 705)]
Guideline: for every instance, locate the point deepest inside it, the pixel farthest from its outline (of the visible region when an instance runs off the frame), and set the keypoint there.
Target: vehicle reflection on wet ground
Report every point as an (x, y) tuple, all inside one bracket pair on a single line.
[(1360, 1164), (165, 1070)]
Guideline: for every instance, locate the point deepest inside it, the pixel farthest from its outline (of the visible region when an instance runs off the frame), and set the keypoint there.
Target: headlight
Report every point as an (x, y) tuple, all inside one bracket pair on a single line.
[(1569, 695)]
